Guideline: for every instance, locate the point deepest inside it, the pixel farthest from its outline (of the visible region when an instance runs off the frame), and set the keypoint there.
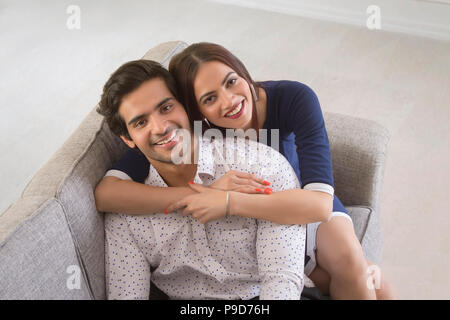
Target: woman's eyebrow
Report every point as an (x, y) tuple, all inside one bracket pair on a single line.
[(223, 82), (226, 77)]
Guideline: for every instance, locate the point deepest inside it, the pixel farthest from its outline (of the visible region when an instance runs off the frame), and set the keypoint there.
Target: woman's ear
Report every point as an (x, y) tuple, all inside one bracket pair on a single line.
[(252, 89), (128, 141)]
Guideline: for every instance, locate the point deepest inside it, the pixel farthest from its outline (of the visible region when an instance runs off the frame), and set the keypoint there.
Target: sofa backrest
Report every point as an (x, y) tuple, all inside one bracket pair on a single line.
[(52, 238)]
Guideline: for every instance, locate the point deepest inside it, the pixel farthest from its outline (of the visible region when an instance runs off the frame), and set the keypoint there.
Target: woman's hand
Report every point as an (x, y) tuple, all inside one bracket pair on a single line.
[(207, 205), (241, 182)]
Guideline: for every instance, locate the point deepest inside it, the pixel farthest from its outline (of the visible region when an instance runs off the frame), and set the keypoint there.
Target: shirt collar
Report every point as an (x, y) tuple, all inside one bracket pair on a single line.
[(206, 157)]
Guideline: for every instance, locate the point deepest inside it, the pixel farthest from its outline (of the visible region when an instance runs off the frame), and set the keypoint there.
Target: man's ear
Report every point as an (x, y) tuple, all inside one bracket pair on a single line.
[(129, 142)]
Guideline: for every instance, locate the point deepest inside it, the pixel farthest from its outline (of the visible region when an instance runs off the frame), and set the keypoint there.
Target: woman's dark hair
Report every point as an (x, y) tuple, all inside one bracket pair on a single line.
[(184, 67), (125, 80)]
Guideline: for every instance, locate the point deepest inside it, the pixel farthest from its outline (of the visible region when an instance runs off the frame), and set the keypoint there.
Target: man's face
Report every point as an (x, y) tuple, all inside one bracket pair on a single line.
[(153, 116)]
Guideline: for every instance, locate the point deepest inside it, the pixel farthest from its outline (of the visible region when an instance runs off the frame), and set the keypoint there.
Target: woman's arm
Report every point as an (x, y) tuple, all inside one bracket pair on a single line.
[(296, 206), (113, 194), (125, 196)]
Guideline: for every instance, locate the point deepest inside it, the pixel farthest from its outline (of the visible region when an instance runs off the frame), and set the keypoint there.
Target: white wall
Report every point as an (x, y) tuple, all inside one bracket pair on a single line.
[(417, 17)]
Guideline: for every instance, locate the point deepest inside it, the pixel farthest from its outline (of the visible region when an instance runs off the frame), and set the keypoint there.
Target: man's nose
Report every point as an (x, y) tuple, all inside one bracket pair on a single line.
[(158, 126)]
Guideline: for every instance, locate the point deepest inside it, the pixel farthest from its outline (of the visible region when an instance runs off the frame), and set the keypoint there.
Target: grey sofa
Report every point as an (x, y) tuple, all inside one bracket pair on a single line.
[(52, 238)]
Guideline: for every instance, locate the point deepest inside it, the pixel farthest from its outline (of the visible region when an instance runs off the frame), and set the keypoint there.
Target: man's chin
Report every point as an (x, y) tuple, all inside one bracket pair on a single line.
[(172, 153), (168, 157)]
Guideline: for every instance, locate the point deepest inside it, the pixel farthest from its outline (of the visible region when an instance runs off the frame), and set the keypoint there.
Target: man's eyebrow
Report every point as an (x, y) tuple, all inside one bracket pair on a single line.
[(223, 82), (140, 116)]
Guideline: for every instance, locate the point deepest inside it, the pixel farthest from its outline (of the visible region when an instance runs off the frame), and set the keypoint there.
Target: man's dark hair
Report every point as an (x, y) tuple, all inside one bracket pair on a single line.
[(125, 80)]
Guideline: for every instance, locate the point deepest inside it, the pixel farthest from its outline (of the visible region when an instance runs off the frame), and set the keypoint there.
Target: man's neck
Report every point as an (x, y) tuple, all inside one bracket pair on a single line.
[(175, 175)]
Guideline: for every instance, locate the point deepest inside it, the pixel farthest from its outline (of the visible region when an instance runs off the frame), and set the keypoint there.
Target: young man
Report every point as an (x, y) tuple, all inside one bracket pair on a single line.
[(233, 257)]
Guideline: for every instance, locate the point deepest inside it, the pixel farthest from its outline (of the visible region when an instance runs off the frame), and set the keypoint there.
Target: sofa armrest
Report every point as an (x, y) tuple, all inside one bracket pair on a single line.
[(358, 151)]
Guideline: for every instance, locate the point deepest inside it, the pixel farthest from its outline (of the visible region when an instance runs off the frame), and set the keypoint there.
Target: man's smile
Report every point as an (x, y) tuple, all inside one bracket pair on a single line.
[(169, 140)]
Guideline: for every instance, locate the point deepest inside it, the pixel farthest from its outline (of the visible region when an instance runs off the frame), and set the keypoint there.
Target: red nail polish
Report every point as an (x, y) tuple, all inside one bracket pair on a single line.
[(268, 191), (258, 190), (191, 182), (166, 212), (266, 183)]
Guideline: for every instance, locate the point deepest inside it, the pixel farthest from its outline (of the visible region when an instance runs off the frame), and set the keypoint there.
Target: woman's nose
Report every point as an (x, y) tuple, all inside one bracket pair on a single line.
[(227, 98)]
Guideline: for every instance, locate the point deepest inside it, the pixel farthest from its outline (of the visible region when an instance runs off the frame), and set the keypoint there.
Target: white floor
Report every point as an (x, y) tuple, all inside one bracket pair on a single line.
[(51, 77)]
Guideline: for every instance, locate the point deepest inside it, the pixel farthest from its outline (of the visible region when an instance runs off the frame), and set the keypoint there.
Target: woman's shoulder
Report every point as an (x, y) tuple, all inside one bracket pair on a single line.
[(288, 96), (134, 164), (285, 86)]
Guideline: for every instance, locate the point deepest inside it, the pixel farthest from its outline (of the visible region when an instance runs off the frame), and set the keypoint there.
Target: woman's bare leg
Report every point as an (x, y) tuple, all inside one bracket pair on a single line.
[(383, 288), (340, 254), (342, 270)]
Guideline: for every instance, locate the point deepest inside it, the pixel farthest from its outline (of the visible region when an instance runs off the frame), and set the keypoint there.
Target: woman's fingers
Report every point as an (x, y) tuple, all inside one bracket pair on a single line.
[(253, 190), (251, 177), (247, 182), (178, 205), (249, 190)]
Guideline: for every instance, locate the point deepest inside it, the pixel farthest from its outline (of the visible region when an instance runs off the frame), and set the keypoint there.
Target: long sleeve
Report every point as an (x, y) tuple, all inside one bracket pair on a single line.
[(134, 164), (304, 117), (127, 269), (280, 249)]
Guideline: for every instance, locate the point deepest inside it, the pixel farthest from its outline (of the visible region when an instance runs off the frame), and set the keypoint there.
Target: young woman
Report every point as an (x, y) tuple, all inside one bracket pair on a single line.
[(216, 87)]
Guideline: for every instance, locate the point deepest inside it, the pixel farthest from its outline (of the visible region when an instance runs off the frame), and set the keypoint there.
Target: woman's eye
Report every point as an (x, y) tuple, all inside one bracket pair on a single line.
[(166, 108), (208, 100), (232, 81)]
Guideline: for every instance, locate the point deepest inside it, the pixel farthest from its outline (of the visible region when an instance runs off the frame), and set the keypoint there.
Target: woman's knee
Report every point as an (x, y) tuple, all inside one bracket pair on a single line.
[(338, 250), (351, 262)]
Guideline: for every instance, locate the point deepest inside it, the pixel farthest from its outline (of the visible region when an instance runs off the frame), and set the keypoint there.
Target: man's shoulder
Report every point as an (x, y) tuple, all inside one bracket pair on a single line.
[(248, 148), (248, 155)]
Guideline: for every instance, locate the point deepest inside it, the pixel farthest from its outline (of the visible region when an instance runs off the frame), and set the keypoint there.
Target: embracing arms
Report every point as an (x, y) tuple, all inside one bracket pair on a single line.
[(113, 194), (296, 206)]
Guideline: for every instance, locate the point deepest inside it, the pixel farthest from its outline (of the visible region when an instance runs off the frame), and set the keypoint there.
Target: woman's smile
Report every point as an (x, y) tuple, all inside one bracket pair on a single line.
[(237, 111), (223, 97)]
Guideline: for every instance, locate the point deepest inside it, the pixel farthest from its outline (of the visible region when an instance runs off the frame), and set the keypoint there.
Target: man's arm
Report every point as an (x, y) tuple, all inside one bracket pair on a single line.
[(280, 251), (127, 269), (289, 204), (281, 248)]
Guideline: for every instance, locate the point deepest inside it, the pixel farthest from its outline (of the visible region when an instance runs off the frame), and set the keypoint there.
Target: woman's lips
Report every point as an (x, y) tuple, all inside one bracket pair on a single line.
[(240, 106)]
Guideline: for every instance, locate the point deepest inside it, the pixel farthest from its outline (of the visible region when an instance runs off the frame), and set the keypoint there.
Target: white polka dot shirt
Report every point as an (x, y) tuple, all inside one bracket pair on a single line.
[(230, 258)]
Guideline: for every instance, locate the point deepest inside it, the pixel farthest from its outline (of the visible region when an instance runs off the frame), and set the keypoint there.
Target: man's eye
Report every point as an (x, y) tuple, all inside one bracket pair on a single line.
[(140, 123)]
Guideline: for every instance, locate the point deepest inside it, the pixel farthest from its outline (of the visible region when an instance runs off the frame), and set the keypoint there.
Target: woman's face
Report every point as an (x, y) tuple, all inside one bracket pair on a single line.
[(223, 97)]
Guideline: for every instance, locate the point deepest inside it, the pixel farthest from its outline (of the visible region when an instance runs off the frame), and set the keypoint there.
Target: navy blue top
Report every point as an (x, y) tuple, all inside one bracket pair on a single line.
[(294, 109)]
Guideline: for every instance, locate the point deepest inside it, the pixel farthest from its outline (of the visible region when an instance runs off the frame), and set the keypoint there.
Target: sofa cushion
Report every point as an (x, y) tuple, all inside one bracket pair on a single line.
[(360, 216), (69, 178), (36, 259)]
